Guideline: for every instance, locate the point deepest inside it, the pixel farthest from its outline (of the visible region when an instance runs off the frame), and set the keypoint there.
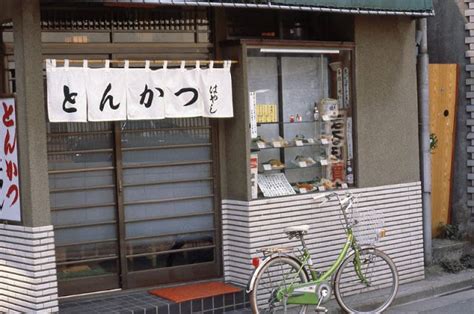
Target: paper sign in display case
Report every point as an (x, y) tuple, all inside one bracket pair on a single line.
[(300, 113)]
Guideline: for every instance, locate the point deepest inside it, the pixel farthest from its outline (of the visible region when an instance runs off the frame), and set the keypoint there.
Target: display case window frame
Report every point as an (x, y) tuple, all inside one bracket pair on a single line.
[(282, 45)]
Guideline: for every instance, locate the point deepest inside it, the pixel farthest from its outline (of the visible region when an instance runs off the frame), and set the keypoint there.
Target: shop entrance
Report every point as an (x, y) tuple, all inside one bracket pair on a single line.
[(133, 203)]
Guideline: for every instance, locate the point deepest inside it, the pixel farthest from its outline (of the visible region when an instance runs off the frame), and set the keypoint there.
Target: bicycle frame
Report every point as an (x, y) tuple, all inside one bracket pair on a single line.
[(304, 293)]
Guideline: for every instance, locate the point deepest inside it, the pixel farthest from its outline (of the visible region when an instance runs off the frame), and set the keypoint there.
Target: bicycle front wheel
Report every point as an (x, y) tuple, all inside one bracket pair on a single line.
[(279, 272), (370, 290)]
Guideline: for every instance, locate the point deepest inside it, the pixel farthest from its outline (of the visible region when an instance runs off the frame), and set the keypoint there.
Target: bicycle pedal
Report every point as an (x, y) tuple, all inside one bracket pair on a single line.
[(320, 309)]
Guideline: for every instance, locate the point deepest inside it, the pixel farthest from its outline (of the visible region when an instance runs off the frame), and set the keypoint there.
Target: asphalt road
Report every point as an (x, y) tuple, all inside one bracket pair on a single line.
[(459, 302)]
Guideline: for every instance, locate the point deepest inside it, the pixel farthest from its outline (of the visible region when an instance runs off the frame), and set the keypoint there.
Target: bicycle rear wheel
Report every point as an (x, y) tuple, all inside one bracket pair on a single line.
[(379, 289), (278, 273)]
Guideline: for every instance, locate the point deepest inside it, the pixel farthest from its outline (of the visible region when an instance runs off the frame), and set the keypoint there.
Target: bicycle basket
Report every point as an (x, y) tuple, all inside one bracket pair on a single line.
[(367, 225)]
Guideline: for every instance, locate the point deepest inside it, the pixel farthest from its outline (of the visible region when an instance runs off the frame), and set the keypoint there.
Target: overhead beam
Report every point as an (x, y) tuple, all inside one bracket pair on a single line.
[(6, 11)]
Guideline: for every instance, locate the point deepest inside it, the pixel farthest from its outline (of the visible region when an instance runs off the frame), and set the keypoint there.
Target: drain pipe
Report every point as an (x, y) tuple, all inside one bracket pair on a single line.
[(424, 125)]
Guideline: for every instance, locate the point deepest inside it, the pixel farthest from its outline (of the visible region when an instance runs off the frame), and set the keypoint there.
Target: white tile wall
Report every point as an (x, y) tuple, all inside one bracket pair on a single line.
[(28, 280), (249, 226), (469, 13)]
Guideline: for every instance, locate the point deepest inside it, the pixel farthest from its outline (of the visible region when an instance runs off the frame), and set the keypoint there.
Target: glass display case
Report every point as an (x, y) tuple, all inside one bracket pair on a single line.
[(300, 105)]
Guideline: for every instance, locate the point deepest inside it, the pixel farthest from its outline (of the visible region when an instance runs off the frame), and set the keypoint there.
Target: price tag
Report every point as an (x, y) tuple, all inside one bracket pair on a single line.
[(299, 143), (276, 144), (324, 141), (267, 167), (302, 164), (310, 141), (261, 145), (344, 186), (322, 188), (324, 162), (303, 190)]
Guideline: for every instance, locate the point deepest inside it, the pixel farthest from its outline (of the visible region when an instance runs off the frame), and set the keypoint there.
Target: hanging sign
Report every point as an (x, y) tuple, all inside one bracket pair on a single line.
[(113, 94), (107, 94), (185, 100), (9, 170), (346, 87), (216, 86), (66, 88), (253, 115), (146, 93)]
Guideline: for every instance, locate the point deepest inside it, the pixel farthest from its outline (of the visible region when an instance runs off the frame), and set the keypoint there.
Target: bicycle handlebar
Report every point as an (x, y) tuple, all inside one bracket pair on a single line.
[(342, 202), (348, 197)]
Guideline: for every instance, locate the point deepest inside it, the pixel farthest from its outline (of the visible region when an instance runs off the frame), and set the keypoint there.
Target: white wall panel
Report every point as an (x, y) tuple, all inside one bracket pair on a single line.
[(249, 226)]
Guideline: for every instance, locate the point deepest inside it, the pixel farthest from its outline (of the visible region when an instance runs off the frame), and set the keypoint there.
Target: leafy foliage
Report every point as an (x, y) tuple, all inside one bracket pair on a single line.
[(452, 266), (467, 261), (450, 232)]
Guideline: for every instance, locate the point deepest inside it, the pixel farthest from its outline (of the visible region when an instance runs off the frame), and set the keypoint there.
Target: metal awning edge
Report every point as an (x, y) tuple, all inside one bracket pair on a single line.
[(295, 8), (268, 5)]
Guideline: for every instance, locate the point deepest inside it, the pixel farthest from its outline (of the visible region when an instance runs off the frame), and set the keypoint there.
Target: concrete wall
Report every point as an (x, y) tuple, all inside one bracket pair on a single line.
[(386, 126), (446, 44)]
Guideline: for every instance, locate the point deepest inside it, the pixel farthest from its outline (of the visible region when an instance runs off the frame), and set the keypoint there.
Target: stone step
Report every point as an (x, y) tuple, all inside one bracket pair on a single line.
[(140, 302), (445, 249)]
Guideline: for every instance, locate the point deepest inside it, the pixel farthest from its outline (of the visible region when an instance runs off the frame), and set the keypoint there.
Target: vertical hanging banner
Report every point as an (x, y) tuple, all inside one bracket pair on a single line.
[(10, 208), (107, 93), (253, 114), (147, 93), (66, 87), (216, 88)]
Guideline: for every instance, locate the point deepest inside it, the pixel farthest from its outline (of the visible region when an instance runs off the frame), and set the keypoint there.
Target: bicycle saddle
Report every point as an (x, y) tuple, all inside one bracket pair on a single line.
[(297, 229)]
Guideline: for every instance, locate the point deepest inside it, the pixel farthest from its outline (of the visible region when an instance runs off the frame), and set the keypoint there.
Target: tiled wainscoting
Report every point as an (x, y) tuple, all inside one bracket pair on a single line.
[(249, 226), (27, 269)]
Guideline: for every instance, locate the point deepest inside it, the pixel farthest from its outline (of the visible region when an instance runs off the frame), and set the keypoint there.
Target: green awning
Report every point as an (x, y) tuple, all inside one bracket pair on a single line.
[(387, 5), (382, 7), (409, 7)]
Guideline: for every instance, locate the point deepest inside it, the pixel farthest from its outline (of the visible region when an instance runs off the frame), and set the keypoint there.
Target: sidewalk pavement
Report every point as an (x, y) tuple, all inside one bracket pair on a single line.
[(436, 282)]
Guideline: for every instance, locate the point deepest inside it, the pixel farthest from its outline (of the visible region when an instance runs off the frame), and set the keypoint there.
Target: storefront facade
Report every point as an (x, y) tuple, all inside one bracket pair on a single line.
[(153, 202)]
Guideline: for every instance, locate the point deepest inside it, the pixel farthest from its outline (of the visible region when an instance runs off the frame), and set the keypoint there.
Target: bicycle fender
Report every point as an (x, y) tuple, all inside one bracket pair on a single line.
[(253, 277)]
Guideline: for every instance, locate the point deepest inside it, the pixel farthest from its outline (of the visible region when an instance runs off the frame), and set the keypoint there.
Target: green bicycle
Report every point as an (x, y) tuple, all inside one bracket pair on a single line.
[(364, 281)]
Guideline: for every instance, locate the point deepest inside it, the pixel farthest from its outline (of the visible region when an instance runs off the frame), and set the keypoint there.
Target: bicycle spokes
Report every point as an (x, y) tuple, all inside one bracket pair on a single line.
[(369, 275)]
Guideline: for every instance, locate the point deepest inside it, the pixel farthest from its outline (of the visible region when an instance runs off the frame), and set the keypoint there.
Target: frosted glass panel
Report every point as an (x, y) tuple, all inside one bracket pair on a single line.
[(158, 217)]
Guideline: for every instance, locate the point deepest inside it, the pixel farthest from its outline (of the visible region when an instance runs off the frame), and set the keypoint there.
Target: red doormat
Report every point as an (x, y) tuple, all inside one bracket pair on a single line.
[(194, 291)]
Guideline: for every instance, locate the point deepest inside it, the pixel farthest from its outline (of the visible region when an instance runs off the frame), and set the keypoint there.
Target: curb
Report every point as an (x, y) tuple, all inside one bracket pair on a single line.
[(434, 285)]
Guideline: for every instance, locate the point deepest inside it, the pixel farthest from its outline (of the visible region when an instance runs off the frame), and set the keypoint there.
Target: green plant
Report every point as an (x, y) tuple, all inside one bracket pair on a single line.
[(450, 232), (451, 266), (467, 261)]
